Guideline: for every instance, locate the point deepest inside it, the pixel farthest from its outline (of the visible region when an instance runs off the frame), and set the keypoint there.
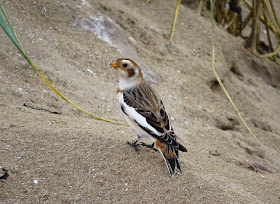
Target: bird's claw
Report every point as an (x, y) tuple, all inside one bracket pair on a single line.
[(133, 144), (149, 146)]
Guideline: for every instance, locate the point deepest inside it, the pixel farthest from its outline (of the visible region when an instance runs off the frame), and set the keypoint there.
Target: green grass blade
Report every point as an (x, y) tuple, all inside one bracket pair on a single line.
[(5, 24)]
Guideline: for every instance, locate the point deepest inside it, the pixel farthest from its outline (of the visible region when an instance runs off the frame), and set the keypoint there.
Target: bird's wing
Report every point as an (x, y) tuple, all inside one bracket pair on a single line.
[(143, 106)]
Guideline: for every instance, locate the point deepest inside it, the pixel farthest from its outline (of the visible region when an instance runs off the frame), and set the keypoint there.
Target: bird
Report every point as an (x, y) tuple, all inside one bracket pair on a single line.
[(145, 113)]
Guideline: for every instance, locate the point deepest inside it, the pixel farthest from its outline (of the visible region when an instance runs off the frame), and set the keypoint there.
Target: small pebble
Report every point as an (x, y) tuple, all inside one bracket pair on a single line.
[(89, 70)]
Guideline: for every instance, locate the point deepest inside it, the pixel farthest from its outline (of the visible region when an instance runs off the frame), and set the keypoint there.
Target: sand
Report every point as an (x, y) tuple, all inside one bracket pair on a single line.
[(56, 154)]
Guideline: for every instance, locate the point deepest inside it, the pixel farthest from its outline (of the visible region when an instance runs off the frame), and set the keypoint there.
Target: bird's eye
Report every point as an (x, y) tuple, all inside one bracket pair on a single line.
[(124, 65)]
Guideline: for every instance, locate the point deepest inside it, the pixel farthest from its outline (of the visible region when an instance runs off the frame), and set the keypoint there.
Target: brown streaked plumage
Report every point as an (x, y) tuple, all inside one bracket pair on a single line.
[(145, 113)]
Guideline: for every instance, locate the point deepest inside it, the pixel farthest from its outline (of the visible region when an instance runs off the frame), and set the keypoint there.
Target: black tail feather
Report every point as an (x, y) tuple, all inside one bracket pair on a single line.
[(182, 148), (173, 165)]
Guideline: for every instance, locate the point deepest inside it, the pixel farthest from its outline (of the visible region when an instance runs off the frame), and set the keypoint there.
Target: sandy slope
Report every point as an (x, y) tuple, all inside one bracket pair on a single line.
[(77, 159)]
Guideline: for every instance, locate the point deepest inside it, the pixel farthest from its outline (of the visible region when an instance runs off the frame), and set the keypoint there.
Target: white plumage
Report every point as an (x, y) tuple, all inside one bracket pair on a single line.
[(145, 113)]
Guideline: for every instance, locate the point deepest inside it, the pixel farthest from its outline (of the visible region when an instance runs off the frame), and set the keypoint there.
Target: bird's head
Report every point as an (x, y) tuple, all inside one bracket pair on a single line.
[(129, 73)]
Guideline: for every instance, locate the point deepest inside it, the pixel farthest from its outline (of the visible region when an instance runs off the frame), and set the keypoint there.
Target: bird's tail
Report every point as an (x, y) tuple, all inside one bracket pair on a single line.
[(172, 164)]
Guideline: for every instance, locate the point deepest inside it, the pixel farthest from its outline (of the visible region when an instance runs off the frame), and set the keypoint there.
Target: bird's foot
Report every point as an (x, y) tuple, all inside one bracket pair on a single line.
[(152, 146), (134, 144)]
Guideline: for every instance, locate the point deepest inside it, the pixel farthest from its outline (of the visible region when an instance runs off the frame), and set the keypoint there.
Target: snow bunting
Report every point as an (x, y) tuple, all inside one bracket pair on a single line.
[(145, 113)]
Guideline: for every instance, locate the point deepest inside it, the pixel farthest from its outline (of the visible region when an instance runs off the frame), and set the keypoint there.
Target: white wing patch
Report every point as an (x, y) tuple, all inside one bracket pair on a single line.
[(134, 115)]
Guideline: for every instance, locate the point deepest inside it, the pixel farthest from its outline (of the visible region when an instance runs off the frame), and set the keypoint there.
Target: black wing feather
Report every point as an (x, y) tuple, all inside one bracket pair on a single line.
[(154, 112)]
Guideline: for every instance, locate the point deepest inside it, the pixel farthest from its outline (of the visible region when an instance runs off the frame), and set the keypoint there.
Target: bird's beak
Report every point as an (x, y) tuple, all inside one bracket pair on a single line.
[(114, 64)]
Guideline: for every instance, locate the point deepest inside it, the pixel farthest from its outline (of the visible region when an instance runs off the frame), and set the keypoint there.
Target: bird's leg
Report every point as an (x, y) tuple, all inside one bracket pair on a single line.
[(133, 144), (152, 146)]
